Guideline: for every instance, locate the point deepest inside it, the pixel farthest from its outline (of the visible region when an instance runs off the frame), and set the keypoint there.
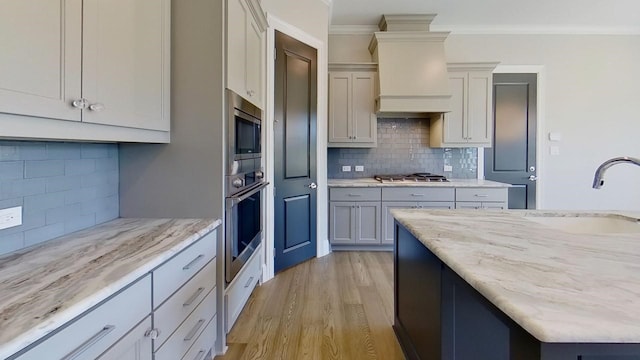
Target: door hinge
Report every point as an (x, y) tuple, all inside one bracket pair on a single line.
[(274, 191), (275, 53), (274, 252)]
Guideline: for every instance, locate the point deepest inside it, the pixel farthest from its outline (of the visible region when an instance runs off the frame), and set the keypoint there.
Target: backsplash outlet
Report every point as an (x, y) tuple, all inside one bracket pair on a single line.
[(403, 147)]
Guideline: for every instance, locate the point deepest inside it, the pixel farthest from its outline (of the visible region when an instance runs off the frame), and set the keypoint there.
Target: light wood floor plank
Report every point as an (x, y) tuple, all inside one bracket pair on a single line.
[(336, 307)]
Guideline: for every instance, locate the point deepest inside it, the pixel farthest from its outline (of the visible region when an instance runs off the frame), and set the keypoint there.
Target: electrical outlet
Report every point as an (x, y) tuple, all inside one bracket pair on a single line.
[(10, 217), (448, 168), (346, 168), (359, 168)]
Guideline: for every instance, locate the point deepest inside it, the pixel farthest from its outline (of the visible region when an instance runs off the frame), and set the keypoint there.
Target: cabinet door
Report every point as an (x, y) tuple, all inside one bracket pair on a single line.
[(342, 222), (387, 222), (339, 107), (133, 346), (40, 58), (125, 63), (368, 218), (479, 116), (237, 17), (254, 62), (454, 130), (363, 117)]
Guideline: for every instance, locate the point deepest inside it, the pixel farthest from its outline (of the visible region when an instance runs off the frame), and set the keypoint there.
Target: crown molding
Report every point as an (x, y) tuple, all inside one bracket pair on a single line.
[(537, 30), (328, 2)]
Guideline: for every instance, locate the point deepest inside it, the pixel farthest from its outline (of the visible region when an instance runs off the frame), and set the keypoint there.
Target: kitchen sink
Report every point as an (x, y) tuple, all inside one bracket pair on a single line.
[(588, 223)]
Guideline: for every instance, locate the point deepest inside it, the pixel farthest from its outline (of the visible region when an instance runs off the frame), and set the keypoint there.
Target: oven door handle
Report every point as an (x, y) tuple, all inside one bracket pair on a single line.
[(234, 200)]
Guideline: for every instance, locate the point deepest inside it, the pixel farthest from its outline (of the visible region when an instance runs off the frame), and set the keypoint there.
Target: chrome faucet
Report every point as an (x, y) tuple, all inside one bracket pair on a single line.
[(598, 181)]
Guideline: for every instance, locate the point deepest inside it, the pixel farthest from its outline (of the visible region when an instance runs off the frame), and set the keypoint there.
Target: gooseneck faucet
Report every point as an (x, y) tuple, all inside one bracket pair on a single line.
[(598, 181)]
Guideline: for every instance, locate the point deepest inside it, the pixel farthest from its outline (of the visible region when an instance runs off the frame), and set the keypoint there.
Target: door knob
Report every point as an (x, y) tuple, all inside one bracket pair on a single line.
[(533, 178), (80, 103), (313, 185)]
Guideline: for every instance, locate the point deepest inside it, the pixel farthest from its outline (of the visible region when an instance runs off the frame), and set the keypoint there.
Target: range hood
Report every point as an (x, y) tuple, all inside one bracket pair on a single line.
[(412, 70)]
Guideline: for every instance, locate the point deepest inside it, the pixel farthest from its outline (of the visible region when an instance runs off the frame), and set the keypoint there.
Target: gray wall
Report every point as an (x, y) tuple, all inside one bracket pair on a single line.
[(62, 187), (403, 147)]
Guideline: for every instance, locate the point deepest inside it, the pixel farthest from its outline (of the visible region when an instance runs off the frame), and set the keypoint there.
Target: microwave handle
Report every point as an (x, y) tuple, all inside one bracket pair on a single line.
[(234, 200)]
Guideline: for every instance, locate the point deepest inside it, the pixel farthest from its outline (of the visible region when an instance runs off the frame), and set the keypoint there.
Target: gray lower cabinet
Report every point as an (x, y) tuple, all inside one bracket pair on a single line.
[(355, 223), (481, 198), (182, 320)]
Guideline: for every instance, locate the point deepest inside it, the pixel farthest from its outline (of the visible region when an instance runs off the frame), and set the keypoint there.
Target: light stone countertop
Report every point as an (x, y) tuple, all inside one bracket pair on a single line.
[(558, 286), (45, 286), (370, 182)]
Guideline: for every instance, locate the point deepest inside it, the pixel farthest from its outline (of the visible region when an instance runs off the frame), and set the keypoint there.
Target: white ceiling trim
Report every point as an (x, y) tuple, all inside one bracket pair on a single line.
[(537, 30), (498, 30), (328, 2)]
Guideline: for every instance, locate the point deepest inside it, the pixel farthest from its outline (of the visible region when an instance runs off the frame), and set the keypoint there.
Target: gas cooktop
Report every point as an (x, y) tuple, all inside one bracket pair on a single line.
[(417, 177)]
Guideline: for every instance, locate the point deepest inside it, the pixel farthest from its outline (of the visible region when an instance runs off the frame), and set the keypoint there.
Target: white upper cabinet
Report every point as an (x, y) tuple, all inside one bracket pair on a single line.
[(40, 60), (469, 124), (246, 24), (103, 64), (352, 119)]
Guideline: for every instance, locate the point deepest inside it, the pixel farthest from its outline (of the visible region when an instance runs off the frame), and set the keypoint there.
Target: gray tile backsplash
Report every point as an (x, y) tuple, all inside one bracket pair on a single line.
[(403, 147), (62, 187)]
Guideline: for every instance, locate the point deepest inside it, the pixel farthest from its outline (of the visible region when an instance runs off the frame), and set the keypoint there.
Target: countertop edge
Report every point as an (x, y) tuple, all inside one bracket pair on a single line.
[(452, 183), (26, 339)]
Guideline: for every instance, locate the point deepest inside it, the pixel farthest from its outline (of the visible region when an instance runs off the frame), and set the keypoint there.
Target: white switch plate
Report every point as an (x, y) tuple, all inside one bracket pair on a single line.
[(346, 168), (555, 136), (360, 168), (554, 150), (448, 168), (10, 217)]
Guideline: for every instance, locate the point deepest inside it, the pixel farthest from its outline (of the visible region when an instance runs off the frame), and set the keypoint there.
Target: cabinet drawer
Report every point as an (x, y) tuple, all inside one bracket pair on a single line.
[(174, 273), (187, 333), (94, 332), (170, 315), (238, 292), (418, 194), (133, 346), (354, 194), (481, 194), (204, 344)]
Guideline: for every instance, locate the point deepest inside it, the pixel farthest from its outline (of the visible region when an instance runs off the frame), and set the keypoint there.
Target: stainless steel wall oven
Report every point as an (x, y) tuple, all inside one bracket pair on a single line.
[(244, 183)]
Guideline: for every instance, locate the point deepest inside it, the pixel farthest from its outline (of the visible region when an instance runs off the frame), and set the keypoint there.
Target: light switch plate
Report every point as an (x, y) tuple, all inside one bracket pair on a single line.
[(554, 150), (10, 217), (346, 168), (448, 168), (359, 168)]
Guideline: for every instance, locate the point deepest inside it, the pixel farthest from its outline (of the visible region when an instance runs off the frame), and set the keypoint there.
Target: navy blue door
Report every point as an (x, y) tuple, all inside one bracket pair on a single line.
[(295, 151)]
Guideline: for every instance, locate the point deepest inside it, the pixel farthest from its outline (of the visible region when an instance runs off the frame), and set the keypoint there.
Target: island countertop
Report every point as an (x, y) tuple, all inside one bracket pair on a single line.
[(45, 286), (560, 287), (457, 183)]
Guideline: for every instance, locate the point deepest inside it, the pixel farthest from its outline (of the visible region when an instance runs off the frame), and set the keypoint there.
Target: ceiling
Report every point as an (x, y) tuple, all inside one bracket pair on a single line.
[(501, 16)]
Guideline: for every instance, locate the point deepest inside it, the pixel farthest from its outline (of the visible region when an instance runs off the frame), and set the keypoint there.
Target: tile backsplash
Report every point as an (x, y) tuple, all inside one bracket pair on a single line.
[(62, 187), (403, 147)]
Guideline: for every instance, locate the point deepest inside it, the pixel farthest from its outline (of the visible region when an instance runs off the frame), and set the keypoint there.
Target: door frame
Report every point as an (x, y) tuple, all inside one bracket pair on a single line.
[(539, 70), (269, 157)]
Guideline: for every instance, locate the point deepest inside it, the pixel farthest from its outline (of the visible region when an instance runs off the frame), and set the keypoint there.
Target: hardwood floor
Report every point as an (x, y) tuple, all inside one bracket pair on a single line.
[(336, 307)]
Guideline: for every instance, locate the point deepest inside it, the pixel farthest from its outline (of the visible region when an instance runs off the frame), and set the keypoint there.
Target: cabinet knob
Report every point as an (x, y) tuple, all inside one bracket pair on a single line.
[(152, 333), (80, 103), (96, 107)]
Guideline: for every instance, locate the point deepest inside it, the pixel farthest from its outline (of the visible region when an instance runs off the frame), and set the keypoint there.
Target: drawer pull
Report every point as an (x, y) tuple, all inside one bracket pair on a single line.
[(248, 282), (355, 195), (193, 297), (200, 355), (193, 262), (417, 194), (89, 343), (195, 330), (481, 195)]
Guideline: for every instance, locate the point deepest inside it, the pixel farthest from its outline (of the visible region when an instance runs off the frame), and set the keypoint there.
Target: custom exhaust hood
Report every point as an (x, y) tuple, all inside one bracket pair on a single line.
[(412, 70)]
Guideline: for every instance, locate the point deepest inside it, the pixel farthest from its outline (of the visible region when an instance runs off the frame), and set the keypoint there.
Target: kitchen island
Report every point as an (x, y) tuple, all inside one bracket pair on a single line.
[(509, 285)]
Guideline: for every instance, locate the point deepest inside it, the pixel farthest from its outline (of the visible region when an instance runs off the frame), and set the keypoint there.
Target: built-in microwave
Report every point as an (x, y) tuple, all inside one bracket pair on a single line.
[(244, 151)]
